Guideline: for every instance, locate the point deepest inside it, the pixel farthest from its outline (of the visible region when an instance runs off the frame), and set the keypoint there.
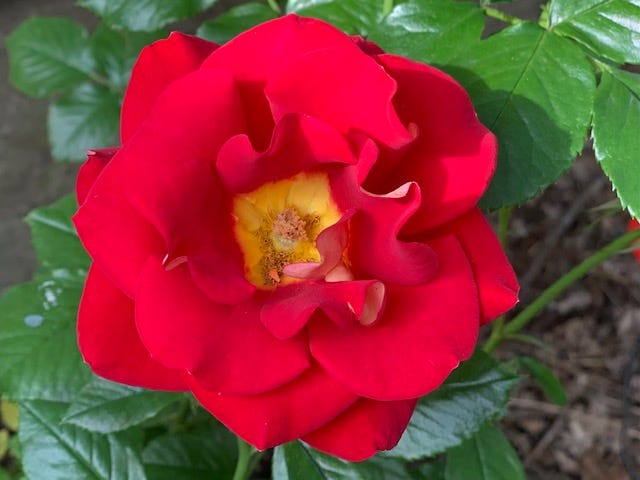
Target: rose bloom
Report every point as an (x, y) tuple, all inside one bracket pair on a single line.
[(290, 231), (634, 225)]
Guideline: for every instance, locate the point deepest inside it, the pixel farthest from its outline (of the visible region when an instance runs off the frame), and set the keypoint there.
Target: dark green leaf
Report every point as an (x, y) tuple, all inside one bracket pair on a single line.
[(54, 237), (105, 407), (39, 357), (226, 26), (535, 91), (145, 15), (64, 452), (610, 28), (474, 393), (549, 383), (486, 456), (85, 119), (115, 52), (351, 16), (189, 456), (616, 123), (430, 31), (48, 55), (433, 470), (297, 461)]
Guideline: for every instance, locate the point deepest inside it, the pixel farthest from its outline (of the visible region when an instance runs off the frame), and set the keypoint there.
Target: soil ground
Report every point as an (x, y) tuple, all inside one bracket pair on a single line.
[(592, 331)]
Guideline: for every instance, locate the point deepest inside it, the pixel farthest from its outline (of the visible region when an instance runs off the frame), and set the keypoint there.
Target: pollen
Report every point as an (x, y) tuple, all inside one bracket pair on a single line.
[(278, 223)]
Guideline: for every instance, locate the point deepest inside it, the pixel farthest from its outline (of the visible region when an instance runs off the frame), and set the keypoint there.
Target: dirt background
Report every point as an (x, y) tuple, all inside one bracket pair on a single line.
[(592, 332)]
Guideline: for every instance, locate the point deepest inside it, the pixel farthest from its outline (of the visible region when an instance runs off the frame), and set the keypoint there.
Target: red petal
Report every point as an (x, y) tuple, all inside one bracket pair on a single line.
[(375, 228), (343, 87), (226, 348), (117, 238), (425, 331), (364, 429), (453, 156), (262, 52), (289, 308), (89, 171), (496, 281), (633, 225), (158, 66), (299, 143), (109, 341), (281, 415)]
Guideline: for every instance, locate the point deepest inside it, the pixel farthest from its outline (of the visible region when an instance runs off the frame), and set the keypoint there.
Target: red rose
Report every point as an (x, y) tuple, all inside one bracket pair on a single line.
[(290, 231), (634, 225)]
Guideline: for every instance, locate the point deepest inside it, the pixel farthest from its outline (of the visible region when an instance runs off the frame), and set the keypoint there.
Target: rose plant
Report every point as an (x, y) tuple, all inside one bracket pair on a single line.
[(285, 238), (290, 231)]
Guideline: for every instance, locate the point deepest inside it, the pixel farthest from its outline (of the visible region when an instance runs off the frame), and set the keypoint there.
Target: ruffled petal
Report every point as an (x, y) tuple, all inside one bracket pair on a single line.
[(364, 429), (496, 281), (182, 328), (109, 342), (453, 157), (158, 66), (343, 87), (280, 415), (425, 331), (116, 236), (375, 227), (89, 171), (299, 142), (287, 310)]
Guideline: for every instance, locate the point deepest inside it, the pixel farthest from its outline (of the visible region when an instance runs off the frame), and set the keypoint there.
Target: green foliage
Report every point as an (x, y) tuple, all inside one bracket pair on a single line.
[(145, 15), (486, 456), (609, 28), (88, 117), (297, 461), (191, 456), (105, 407), (226, 26), (549, 383), (49, 55), (616, 123), (53, 451), (538, 103), (352, 16), (475, 392), (430, 31)]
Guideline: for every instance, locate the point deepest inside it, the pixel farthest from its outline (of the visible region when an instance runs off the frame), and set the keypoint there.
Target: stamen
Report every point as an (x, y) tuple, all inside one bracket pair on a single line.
[(288, 229)]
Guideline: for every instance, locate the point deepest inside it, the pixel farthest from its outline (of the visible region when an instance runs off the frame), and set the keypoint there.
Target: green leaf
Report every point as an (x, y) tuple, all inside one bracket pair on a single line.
[(298, 461), (48, 55), (145, 15), (64, 452), (105, 407), (433, 470), (610, 28), (549, 383), (234, 21), (39, 357), (190, 456), (351, 16), (430, 31), (54, 237), (115, 52), (475, 392), (535, 91), (86, 118), (616, 123), (486, 456)]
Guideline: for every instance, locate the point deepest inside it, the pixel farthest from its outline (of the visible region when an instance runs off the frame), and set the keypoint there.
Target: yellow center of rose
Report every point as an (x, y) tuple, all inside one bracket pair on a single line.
[(278, 223)]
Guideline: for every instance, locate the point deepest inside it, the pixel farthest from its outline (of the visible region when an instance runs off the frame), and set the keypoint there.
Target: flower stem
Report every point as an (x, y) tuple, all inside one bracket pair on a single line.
[(387, 6), (502, 16), (274, 6), (525, 316), (247, 458), (504, 215)]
